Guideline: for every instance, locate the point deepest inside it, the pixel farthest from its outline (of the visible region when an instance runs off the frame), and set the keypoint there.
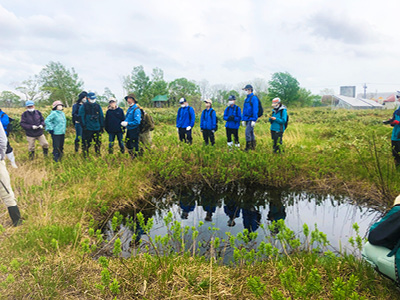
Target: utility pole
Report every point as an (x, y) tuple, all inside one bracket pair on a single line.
[(365, 90)]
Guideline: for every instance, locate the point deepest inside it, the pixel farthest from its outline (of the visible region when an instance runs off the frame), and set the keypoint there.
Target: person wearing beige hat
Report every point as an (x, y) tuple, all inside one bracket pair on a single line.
[(114, 116), (56, 125), (382, 250), (208, 123)]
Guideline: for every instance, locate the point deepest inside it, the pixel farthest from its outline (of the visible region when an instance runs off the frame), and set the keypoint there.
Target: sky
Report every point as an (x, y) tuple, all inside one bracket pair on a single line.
[(323, 44)]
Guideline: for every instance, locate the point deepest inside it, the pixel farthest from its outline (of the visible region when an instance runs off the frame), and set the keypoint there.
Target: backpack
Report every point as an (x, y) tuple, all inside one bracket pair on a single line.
[(92, 110), (260, 108), (287, 119), (146, 121)]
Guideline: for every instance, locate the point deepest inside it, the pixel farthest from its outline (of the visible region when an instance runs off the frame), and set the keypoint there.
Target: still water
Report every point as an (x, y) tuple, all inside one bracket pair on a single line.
[(234, 208)]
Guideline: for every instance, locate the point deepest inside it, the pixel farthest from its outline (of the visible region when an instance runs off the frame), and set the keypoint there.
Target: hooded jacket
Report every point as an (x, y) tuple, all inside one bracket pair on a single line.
[(250, 108), (208, 120), (75, 112), (185, 117), (5, 120), (280, 114), (92, 116), (57, 122), (133, 117), (28, 119), (114, 117), (236, 113)]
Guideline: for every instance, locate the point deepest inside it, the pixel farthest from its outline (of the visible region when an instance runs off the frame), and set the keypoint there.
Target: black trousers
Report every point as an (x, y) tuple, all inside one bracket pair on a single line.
[(396, 152), (277, 138), (58, 146), (185, 135), (89, 136), (132, 139), (235, 132), (208, 135)]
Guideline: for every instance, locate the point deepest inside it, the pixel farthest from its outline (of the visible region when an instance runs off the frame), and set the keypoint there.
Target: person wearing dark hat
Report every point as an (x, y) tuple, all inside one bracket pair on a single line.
[(185, 121), (132, 123), (32, 122), (208, 122), (56, 124), (232, 116), (114, 117), (278, 123), (92, 120), (250, 116), (82, 98)]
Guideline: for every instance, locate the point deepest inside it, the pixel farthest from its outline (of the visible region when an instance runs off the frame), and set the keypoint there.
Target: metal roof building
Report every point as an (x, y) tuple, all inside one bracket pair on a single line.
[(340, 101)]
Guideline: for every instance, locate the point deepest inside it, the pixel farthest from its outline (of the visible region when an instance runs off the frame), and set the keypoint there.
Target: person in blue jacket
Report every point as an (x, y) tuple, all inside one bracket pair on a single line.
[(250, 116), (208, 122), (132, 123), (278, 121), (82, 98), (5, 121), (232, 116), (395, 122), (185, 121), (114, 117), (56, 124)]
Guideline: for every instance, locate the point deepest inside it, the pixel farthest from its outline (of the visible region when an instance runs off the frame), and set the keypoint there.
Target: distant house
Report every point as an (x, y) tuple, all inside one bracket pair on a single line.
[(340, 101), (160, 101)]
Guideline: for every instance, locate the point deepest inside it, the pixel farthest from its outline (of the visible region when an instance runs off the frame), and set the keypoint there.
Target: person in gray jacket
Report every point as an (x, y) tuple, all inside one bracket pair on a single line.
[(6, 192)]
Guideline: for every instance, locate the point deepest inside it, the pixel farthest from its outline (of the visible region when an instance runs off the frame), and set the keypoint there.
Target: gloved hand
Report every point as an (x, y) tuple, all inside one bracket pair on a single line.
[(40, 126), (188, 128), (124, 123), (252, 124), (34, 127), (243, 123), (51, 132), (231, 118), (76, 122), (213, 131)]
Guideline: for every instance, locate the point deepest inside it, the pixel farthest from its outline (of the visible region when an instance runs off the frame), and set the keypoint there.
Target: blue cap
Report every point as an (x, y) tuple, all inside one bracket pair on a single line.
[(232, 97), (29, 103), (91, 95)]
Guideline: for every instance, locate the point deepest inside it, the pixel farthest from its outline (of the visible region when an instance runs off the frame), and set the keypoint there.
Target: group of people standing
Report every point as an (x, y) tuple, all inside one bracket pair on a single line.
[(252, 110)]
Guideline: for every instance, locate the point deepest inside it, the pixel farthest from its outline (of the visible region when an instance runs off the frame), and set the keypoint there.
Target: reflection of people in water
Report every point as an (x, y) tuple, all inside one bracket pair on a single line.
[(209, 200), (187, 202), (251, 218), (232, 210), (276, 209)]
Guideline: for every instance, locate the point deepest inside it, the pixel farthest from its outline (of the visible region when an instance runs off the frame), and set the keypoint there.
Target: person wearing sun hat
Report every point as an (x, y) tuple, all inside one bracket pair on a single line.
[(114, 116), (56, 124), (208, 123), (278, 122), (132, 121), (382, 250)]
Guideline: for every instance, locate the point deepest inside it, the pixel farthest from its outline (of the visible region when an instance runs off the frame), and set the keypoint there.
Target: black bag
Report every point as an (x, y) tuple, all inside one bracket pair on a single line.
[(387, 233), (287, 119), (260, 108)]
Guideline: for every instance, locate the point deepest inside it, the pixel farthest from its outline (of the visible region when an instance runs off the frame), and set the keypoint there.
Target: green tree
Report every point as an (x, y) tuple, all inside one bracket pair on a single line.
[(284, 86), (59, 83), (158, 86), (9, 99), (182, 87), (31, 89), (306, 98), (138, 83)]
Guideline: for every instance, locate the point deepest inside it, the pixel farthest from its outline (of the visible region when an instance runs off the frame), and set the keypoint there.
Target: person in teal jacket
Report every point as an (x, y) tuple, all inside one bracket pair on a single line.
[(395, 122), (208, 123), (278, 121), (56, 123), (132, 121)]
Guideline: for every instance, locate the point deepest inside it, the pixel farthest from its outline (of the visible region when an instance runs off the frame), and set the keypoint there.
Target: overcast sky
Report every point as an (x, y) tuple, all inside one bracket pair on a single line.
[(324, 44)]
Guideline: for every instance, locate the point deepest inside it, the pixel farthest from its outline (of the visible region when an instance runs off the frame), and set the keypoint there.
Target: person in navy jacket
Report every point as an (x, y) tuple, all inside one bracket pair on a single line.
[(250, 116), (185, 121), (232, 116), (114, 117), (278, 121), (82, 98), (208, 122), (132, 123)]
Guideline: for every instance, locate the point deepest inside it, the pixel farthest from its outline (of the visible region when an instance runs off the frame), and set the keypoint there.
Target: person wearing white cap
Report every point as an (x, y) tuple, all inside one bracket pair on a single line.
[(56, 124), (232, 116), (114, 116), (208, 123), (185, 121), (278, 122), (382, 250)]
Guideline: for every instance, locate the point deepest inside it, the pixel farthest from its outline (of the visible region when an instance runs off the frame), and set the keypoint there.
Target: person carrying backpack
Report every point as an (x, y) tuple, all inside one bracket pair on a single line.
[(56, 124), (232, 116), (114, 117), (146, 127), (82, 98), (5, 121), (92, 119), (185, 121), (250, 116), (208, 123), (278, 122), (132, 124)]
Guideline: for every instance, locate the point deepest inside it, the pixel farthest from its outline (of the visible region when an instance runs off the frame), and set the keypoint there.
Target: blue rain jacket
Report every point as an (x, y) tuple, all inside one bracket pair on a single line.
[(208, 120), (5, 120), (56, 121), (278, 124), (236, 113), (133, 117), (250, 108), (185, 117), (396, 128)]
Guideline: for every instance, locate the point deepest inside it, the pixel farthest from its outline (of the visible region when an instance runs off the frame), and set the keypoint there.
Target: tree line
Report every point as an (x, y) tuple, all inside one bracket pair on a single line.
[(57, 82)]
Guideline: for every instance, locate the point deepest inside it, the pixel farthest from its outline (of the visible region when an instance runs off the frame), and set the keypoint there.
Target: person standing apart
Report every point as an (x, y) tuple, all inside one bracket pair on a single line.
[(208, 123), (395, 122), (250, 116), (82, 98), (92, 119), (5, 121), (278, 122), (56, 124), (185, 121), (132, 123), (114, 117), (6, 192), (32, 122), (232, 116)]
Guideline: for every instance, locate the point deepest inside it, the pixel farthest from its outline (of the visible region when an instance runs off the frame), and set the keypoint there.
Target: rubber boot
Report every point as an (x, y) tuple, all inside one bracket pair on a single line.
[(253, 145), (11, 157), (77, 146), (132, 153), (110, 150), (31, 155), (15, 215), (248, 146), (45, 152)]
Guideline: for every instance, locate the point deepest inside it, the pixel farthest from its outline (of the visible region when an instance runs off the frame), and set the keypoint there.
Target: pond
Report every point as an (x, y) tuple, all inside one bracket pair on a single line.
[(233, 208)]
